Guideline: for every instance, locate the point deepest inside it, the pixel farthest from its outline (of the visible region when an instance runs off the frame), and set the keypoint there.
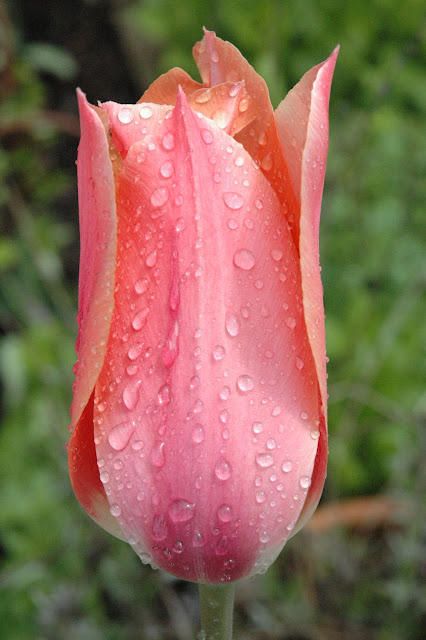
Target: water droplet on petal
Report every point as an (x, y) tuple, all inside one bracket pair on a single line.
[(181, 510), (198, 539), (267, 162), (145, 112), (232, 224), (141, 286), (206, 135), (159, 527), (287, 466), (139, 320), (120, 435), (233, 200), (305, 482), (104, 477), (224, 513), (276, 255), (244, 259), (167, 169), (198, 434), (223, 469), (276, 411), (221, 118), (245, 383), (232, 325), (159, 196), (168, 141), (257, 427), (158, 457), (125, 115), (264, 460), (151, 259), (131, 394), (164, 395), (291, 322), (115, 510), (299, 363), (219, 352)]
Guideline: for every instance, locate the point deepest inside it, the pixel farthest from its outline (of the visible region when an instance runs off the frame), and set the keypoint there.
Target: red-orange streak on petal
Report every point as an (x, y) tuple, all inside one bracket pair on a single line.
[(218, 62), (84, 473), (96, 194)]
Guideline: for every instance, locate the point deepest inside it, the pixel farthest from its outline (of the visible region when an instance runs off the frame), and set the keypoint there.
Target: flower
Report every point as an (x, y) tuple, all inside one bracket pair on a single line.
[(198, 424)]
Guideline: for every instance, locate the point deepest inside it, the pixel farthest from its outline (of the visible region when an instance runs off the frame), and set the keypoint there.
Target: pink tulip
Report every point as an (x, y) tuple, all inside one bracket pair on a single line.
[(199, 414)]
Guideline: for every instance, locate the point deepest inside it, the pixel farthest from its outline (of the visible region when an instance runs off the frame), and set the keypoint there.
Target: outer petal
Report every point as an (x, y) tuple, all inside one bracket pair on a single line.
[(220, 61), (164, 89), (302, 121), (207, 400), (96, 290)]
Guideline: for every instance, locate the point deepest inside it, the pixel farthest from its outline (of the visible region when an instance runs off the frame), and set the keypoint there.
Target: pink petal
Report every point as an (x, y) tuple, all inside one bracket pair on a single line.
[(302, 121), (96, 287), (207, 399), (218, 62), (96, 196), (164, 89)]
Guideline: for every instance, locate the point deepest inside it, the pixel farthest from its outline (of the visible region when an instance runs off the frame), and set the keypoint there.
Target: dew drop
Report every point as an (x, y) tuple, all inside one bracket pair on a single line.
[(225, 392), (139, 320), (287, 466), (223, 416), (305, 482), (158, 457), (276, 411), (260, 497), (267, 162), (233, 200), (198, 539), (245, 383), (207, 136), (159, 196), (299, 363), (167, 169), (168, 141), (120, 435), (164, 395), (131, 395), (141, 286), (315, 434), (198, 434), (145, 112), (264, 460), (151, 259), (257, 427), (125, 115), (304, 415), (224, 513), (181, 510), (159, 527), (221, 118), (223, 469), (133, 353), (232, 325), (263, 537), (232, 224), (291, 322), (219, 352), (104, 477), (115, 510), (244, 259), (276, 255)]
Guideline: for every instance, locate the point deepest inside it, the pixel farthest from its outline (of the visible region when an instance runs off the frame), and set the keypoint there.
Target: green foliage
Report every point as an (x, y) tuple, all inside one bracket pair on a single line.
[(61, 576)]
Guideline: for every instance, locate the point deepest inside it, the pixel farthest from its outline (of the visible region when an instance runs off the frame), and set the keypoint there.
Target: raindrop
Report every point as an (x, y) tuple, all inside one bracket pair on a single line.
[(219, 352), (223, 416), (233, 200), (239, 161), (287, 466), (299, 363), (198, 434), (304, 415), (180, 224), (232, 325), (139, 320), (257, 427), (170, 350), (145, 112), (159, 527), (141, 286), (225, 393), (221, 118), (224, 513), (181, 510), (245, 383), (276, 255), (115, 510), (263, 537), (158, 457), (264, 460), (291, 322), (198, 539), (222, 546), (260, 497), (207, 136), (104, 477), (151, 259), (315, 434), (276, 411), (131, 395), (167, 169), (137, 445), (223, 469), (232, 224), (125, 115), (267, 162), (159, 196), (168, 141), (134, 352), (164, 395), (244, 259), (120, 435), (305, 482), (271, 444)]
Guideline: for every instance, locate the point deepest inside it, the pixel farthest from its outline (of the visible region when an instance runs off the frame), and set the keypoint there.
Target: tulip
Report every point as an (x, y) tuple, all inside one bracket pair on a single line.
[(198, 430)]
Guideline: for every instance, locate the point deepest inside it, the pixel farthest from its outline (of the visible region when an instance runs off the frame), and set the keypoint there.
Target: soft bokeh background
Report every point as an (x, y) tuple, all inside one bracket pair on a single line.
[(355, 572)]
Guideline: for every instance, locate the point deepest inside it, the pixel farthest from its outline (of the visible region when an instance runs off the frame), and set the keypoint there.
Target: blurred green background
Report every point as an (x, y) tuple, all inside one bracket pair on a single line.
[(356, 571)]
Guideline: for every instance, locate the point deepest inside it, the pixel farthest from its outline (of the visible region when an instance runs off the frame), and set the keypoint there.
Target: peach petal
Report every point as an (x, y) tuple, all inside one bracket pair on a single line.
[(164, 89)]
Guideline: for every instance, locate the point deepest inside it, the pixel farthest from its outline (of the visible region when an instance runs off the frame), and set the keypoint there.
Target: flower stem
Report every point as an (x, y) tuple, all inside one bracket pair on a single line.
[(217, 606)]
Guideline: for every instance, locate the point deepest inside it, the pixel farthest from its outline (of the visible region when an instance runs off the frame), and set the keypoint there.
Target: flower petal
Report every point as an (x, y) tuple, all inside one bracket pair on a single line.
[(96, 196), (84, 473), (218, 62), (208, 312), (302, 121), (164, 89)]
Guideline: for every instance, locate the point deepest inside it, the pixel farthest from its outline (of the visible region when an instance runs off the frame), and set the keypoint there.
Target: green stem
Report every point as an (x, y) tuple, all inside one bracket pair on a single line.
[(217, 607)]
